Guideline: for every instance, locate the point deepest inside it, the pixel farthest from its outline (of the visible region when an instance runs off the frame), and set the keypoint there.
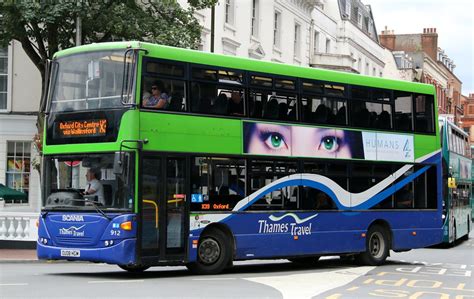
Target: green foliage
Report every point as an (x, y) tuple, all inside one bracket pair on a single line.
[(46, 26)]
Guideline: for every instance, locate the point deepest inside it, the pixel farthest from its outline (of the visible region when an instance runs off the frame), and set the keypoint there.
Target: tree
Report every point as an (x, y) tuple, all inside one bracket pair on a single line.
[(46, 26)]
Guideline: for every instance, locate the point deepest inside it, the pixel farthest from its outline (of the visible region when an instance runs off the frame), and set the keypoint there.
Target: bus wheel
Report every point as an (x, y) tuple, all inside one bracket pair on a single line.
[(377, 247), (134, 268), (214, 253), (308, 261)]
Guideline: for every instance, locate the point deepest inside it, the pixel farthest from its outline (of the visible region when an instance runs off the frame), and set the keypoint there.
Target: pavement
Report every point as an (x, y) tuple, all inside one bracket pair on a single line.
[(17, 255)]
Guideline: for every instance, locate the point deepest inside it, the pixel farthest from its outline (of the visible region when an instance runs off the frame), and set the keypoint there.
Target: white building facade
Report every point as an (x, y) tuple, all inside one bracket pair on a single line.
[(338, 35), (261, 29), (20, 91), (345, 38)]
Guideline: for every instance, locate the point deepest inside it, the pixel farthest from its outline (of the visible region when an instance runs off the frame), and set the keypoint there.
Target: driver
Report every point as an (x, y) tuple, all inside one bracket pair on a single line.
[(94, 187)]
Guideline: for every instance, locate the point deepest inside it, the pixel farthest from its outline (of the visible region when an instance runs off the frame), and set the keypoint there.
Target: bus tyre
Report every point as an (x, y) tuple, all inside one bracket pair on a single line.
[(377, 247), (214, 253), (134, 268)]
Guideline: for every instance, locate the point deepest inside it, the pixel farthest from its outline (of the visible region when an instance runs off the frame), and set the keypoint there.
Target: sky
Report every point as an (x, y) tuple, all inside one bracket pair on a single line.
[(453, 20)]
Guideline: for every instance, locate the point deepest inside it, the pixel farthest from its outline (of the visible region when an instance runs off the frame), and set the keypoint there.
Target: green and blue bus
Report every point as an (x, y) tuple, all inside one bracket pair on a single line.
[(472, 177), (202, 159), (457, 181)]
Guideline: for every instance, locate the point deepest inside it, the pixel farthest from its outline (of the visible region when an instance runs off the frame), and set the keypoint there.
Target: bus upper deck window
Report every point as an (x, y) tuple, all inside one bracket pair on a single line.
[(166, 69)]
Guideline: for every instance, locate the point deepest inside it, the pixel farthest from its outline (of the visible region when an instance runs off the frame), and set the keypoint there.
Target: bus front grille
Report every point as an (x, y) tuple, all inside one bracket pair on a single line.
[(74, 241)]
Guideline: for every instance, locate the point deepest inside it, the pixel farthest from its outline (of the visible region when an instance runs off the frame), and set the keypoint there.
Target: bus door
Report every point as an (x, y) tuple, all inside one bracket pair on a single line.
[(163, 208)]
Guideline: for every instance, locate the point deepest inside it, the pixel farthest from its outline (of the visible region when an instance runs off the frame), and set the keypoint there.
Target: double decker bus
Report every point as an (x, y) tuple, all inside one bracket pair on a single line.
[(457, 181), (202, 159), (472, 177)]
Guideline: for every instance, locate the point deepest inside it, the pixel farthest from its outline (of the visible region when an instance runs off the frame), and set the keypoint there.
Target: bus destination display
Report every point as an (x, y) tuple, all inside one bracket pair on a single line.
[(82, 128)]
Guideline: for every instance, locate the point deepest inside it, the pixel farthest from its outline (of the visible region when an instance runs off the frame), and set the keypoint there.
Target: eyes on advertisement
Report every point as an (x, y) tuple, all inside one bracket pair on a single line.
[(299, 141)]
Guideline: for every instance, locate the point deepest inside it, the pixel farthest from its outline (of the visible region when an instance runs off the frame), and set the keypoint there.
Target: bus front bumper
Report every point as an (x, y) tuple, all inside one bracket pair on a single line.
[(122, 253)]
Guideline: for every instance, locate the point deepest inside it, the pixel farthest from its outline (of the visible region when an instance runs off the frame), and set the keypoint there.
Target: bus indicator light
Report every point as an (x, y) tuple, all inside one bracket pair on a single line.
[(413, 233), (363, 235), (127, 225), (295, 238)]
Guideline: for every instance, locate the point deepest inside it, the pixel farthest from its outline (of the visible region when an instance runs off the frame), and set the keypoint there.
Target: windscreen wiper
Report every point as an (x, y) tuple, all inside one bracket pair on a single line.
[(94, 204), (99, 210)]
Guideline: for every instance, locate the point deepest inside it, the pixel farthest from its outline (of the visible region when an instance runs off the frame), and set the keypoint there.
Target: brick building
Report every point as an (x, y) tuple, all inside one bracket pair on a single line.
[(432, 65), (467, 120)]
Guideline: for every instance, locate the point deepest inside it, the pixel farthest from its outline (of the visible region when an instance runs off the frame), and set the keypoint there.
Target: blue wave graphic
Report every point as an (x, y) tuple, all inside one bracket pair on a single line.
[(366, 204), (297, 219)]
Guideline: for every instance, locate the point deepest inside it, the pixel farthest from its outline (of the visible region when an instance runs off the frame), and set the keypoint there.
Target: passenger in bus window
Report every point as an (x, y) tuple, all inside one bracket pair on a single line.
[(236, 106), (323, 201), (404, 197), (94, 187), (159, 99)]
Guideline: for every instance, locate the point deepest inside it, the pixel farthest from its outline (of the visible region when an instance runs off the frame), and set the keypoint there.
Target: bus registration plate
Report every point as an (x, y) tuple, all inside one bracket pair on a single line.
[(70, 253)]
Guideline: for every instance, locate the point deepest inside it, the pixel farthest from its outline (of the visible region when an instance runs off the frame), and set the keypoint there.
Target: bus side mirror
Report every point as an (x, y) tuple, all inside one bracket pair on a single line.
[(119, 161), (451, 183), (46, 82)]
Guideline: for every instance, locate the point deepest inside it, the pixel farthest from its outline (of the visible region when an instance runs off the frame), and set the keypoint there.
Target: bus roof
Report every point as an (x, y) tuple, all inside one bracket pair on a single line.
[(445, 120), (199, 57)]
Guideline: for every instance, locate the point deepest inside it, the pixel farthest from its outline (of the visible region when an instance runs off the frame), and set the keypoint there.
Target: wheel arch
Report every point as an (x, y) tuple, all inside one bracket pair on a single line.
[(386, 226)]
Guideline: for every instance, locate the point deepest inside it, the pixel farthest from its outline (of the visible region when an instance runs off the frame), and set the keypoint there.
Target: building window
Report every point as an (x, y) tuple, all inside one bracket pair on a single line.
[(328, 45), (18, 167), (359, 65), (229, 11), (297, 40), (348, 8), (277, 29), (470, 109), (316, 42), (3, 77), (359, 19), (374, 72), (255, 17)]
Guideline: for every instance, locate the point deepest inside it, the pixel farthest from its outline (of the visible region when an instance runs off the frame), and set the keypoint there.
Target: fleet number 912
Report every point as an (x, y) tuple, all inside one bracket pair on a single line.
[(115, 232)]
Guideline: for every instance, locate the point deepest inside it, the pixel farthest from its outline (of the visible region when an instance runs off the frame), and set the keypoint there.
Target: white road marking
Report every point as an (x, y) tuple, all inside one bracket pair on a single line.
[(13, 284), (116, 281), (216, 278), (308, 285)]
